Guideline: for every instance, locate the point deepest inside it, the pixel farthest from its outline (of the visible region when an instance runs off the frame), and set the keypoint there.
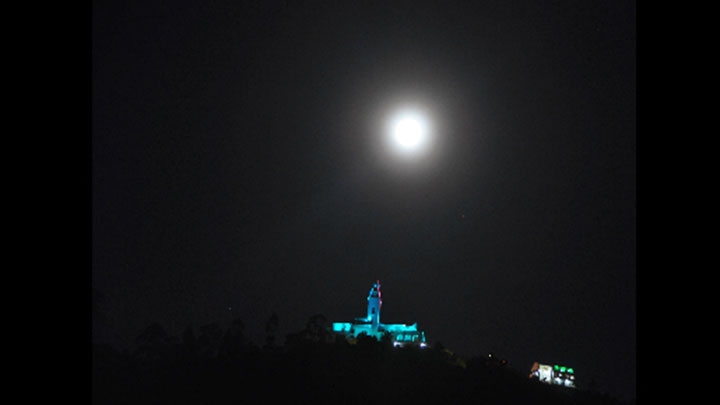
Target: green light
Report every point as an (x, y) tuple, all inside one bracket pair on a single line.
[(562, 369), (571, 371), (556, 367)]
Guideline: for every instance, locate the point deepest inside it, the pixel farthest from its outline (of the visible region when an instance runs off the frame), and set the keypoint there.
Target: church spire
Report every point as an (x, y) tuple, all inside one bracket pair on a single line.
[(374, 304)]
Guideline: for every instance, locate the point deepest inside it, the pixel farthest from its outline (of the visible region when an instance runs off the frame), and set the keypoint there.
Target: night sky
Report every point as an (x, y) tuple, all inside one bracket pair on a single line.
[(239, 169)]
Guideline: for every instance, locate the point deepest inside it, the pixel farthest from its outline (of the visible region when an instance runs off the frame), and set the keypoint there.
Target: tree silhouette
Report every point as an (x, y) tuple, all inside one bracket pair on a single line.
[(271, 327), (190, 342), (234, 343), (311, 372), (317, 330), (152, 344), (365, 341), (209, 340), (386, 341)]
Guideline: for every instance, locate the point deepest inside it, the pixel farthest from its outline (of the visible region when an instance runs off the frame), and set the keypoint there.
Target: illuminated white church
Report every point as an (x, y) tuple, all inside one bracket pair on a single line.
[(401, 334)]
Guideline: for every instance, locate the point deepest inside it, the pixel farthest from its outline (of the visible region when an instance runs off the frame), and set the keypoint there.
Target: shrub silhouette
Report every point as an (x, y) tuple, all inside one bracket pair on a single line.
[(223, 367)]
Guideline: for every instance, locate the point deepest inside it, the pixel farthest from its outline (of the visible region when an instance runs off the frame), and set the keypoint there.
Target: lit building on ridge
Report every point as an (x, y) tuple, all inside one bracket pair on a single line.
[(555, 374), (401, 334)]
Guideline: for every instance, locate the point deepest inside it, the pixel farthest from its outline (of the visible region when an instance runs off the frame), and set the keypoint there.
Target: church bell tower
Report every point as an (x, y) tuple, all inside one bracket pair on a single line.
[(374, 304)]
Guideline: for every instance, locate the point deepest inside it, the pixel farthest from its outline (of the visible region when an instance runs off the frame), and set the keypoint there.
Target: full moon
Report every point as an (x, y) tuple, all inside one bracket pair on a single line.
[(409, 132)]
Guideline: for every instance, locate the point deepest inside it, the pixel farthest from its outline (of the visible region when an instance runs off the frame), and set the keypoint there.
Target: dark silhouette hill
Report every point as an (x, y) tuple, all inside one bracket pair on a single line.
[(219, 367)]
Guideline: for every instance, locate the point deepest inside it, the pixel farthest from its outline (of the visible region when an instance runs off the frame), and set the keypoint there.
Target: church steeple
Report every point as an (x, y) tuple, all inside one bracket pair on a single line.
[(401, 334), (374, 304)]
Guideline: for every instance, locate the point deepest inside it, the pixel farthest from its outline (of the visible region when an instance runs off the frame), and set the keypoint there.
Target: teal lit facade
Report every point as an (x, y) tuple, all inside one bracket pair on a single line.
[(401, 334)]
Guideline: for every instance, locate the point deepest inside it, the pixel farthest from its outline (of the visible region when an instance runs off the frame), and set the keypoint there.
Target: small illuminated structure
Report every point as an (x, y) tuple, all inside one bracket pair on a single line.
[(555, 374), (401, 334)]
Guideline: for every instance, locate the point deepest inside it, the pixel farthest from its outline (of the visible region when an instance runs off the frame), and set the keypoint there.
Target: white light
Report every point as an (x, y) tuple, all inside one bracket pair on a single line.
[(410, 132)]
